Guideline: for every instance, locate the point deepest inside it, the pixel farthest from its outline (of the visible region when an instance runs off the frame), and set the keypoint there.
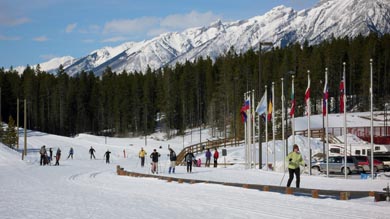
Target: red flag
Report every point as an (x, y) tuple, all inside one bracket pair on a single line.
[(243, 114), (292, 110), (325, 100), (307, 96), (342, 96)]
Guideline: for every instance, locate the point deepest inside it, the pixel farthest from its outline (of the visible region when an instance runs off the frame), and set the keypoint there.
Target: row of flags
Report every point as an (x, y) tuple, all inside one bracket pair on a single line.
[(261, 108)]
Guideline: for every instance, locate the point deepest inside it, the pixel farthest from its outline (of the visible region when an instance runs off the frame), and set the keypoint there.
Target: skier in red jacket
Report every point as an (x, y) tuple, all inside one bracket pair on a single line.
[(216, 155)]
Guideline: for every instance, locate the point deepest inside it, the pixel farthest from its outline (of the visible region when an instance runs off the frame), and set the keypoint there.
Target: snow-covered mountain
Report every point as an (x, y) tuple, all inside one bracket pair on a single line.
[(281, 26)]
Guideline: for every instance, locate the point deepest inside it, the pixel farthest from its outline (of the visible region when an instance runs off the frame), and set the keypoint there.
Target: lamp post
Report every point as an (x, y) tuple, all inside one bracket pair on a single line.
[(260, 50)]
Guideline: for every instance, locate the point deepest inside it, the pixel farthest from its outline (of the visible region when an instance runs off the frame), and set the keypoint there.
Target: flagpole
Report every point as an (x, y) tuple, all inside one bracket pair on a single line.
[(345, 121), (273, 123), (327, 125), (245, 134), (293, 115), (249, 130), (253, 130), (266, 130), (259, 133), (371, 122), (260, 144), (308, 121), (283, 137)]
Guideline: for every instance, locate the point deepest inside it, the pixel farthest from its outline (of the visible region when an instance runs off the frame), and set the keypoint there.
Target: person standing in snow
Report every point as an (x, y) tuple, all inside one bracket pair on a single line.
[(70, 153), (92, 153), (155, 155), (208, 157), (295, 160), (189, 158), (58, 156), (107, 155), (172, 158), (141, 155), (216, 156), (43, 154), (50, 155)]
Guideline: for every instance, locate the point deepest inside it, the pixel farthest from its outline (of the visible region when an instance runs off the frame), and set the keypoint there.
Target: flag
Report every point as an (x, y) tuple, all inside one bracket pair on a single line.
[(325, 99), (307, 95), (247, 104), (262, 106), (244, 109), (292, 110), (269, 111), (243, 114), (342, 96)]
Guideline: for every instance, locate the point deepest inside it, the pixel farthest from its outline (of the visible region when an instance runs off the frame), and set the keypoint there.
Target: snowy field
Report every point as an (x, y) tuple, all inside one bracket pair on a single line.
[(84, 188)]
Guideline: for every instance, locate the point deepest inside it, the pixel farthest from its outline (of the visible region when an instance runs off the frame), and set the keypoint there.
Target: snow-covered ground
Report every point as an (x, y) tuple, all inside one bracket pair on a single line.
[(84, 188)]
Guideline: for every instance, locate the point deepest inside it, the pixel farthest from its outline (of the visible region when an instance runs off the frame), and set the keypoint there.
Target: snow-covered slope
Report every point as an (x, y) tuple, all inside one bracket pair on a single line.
[(281, 26)]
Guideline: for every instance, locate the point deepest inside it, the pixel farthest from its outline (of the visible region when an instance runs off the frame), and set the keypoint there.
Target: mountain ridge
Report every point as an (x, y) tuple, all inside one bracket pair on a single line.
[(281, 26)]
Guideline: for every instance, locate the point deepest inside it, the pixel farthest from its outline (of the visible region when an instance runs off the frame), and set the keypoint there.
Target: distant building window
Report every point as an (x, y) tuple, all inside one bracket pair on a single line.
[(335, 150), (357, 152)]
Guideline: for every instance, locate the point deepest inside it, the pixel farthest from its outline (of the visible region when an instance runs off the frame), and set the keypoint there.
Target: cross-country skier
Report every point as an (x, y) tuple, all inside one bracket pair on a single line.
[(43, 154), (172, 158), (155, 155), (208, 157), (92, 153), (70, 153), (107, 155), (216, 156), (58, 156), (295, 160), (189, 158), (141, 155)]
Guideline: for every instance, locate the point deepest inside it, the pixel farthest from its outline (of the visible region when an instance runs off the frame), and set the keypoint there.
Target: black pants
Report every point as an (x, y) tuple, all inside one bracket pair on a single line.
[(189, 166), (142, 161), (291, 173), (215, 162), (93, 155), (42, 161)]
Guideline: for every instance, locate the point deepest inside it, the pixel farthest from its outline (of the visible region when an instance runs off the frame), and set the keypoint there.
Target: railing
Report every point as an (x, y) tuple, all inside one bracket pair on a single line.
[(203, 146)]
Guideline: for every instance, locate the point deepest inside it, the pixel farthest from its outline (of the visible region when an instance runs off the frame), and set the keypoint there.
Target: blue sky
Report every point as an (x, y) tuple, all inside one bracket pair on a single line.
[(34, 31)]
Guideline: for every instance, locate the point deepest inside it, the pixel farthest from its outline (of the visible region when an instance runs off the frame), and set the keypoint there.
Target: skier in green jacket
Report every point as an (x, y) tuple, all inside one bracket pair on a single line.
[(295, 160)]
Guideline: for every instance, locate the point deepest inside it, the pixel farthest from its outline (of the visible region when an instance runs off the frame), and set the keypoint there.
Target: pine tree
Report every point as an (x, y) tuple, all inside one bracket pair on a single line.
[(10, 136)]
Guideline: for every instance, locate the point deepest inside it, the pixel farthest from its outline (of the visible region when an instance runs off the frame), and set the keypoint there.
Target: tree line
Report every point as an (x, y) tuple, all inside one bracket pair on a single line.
[(205, 92)]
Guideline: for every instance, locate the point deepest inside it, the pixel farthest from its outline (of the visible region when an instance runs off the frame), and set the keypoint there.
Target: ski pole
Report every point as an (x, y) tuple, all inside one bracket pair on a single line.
[(282, 177)]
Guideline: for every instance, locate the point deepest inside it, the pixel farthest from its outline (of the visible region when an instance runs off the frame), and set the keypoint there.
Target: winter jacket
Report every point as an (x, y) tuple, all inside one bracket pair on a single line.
[(189, 157), (216, 155), (43, 150), (172, 156), (155, 156), (208, 154), (294, 160), (142, 153), (58, 154)]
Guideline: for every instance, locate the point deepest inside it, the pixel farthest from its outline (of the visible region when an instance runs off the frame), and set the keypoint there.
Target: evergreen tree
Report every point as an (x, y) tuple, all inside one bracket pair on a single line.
[(10, 136)]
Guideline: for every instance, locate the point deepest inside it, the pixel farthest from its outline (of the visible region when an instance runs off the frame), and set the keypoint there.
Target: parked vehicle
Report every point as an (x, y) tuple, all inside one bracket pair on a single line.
[(337, 165), (365, 163), (385, 159)]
